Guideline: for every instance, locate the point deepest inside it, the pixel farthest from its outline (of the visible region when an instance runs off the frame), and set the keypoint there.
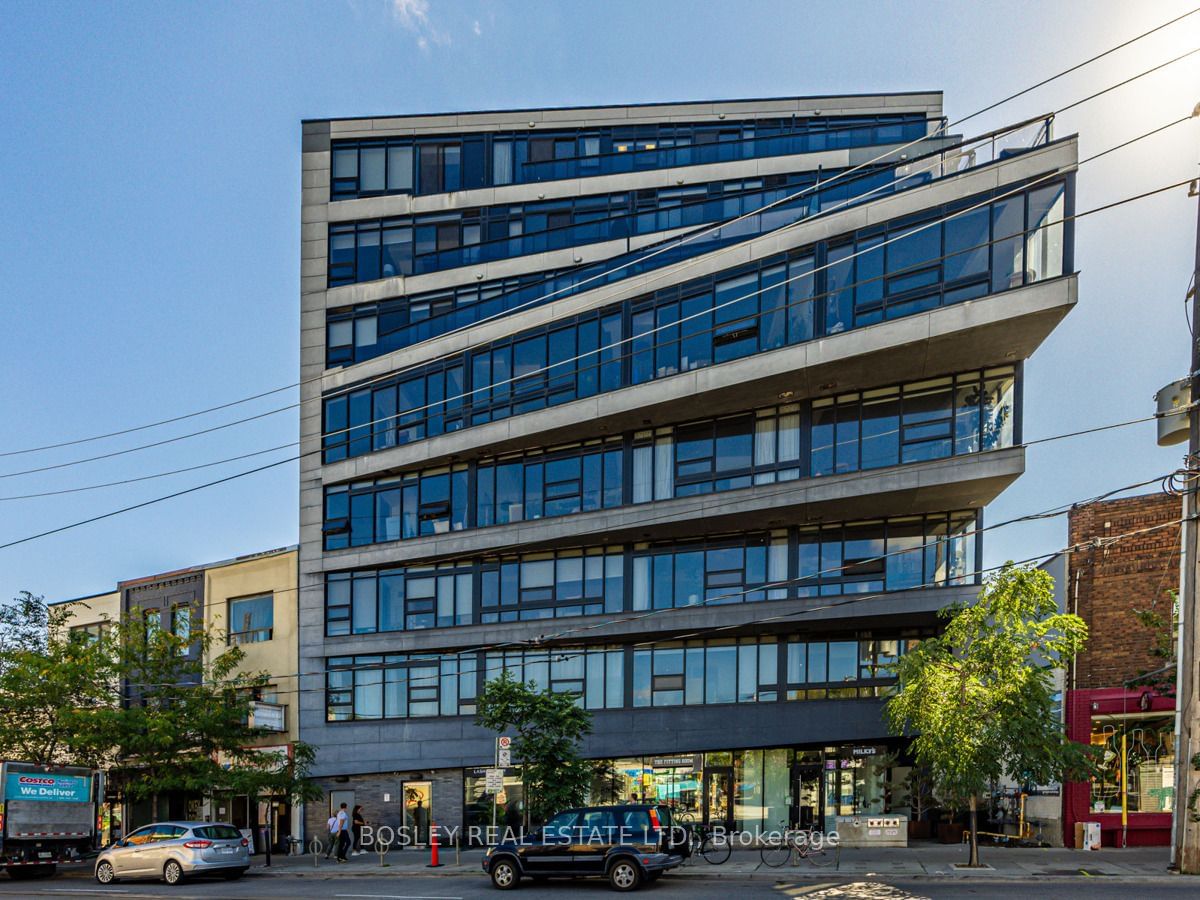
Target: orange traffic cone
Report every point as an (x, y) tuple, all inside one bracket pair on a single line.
[(433, 846)]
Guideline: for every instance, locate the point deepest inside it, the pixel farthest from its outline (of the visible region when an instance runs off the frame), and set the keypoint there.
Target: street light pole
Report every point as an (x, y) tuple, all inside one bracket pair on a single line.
[(1186, 843)]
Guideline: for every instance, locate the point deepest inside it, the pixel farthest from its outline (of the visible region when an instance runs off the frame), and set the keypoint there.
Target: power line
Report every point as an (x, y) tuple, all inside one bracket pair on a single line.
[(1053, 512), (676, 323), (401, 371), (941, 130), (179, 418), (1168, 481), (783, 617), (145, 503), (599, 350), (299, 456), (1088, 61), (540, 644), (622, 341), (123, 481)]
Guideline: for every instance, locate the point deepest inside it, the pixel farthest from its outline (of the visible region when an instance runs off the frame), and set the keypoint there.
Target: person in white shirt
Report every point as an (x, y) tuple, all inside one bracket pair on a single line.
[(343, 833), (331, 827)]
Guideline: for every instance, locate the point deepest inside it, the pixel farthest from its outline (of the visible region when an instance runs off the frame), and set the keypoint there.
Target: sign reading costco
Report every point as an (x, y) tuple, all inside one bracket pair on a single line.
[(61, 788)]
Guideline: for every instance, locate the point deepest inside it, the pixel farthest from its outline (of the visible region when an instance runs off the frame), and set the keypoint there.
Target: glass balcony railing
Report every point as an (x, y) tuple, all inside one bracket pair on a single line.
[(372, 330), (660, 157)]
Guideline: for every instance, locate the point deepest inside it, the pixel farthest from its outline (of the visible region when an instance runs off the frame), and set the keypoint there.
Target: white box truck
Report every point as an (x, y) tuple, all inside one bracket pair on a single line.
[(48, 815)]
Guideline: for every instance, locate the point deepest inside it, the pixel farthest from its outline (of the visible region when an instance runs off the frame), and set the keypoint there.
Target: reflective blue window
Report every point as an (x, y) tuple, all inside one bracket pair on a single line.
[(381, 248), (404, 321), (435, 164), (834, 559), (932, 419)]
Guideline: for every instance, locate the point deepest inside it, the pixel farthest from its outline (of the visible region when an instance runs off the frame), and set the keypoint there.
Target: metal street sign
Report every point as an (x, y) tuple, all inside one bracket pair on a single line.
[(504, 757), (494, 781), (504, 742)]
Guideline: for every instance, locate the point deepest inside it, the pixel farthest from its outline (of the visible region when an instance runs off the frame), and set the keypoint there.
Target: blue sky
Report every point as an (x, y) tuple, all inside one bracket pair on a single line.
[(149, 220)]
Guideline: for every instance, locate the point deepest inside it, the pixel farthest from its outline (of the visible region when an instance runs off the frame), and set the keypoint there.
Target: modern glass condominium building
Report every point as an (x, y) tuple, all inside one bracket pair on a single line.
[(689, 410)]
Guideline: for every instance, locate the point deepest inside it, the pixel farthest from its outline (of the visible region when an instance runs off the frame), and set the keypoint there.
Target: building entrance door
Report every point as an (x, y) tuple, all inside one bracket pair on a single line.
[(418, 810), (807, 798), (718, 797)]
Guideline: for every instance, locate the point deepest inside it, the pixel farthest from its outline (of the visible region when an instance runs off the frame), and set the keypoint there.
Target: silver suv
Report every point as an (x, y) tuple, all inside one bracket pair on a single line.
[(174, 850)]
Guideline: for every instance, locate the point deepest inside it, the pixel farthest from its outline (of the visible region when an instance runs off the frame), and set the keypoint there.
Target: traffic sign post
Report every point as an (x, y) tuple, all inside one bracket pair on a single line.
[(494, 777)]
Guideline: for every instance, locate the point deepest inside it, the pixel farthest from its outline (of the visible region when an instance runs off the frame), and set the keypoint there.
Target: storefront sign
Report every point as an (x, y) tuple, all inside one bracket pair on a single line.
[(865, 751), (56, 788), (270, 759), (690, 761)]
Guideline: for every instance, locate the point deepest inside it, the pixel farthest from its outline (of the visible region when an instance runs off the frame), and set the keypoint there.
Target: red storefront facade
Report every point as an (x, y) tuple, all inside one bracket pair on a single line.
[(1145, 719), (1109, 704)]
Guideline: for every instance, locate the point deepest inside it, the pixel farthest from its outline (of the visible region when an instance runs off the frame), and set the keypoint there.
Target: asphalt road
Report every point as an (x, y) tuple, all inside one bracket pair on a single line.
[(415, 887)]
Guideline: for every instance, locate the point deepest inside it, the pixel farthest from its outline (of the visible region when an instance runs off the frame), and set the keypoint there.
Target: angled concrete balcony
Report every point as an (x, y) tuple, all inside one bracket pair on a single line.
[(811, 615), (993, 330), (961, 482)]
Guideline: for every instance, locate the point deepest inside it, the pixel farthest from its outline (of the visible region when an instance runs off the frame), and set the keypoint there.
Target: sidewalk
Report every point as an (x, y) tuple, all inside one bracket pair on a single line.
[(921, 861)]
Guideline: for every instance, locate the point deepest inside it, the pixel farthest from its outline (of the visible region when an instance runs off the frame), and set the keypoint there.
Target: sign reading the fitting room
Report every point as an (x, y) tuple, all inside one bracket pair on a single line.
[(688, 761), (59, 788)]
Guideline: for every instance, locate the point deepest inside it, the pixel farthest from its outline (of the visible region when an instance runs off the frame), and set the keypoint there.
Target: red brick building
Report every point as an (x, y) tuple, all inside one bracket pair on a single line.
[(1105, 706)]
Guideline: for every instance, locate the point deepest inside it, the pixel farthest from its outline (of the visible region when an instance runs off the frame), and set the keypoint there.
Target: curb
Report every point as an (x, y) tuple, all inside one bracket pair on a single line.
[(773, 875)]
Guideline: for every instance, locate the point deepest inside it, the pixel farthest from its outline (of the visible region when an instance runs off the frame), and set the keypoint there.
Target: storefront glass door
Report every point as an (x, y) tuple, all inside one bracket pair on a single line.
[(418, 810), (807, 799), (718, 797), (839, 792)]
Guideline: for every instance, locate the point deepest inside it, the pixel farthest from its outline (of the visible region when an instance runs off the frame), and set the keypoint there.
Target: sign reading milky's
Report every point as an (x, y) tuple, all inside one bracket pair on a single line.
[(60, 788)]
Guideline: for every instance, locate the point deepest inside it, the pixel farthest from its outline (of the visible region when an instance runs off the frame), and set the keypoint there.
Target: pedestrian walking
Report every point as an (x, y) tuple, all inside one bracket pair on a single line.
[(343, 833), (359, 822), (331, 834)]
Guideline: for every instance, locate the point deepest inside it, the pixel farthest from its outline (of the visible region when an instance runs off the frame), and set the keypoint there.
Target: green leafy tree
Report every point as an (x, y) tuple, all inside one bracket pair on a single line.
[(184, 722), (56, 690), (980, 697), (159, 711), (549, 727)]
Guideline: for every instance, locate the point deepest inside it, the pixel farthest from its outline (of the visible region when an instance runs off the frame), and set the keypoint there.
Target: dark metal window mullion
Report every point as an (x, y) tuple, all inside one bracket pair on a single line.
[(806, 419)]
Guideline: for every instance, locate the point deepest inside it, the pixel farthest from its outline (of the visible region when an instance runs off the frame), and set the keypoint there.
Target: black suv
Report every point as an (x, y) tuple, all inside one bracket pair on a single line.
[(626, 844)]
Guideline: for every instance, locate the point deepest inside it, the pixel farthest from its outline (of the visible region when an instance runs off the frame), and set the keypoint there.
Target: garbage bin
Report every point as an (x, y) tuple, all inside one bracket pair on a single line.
[(1087, 835)]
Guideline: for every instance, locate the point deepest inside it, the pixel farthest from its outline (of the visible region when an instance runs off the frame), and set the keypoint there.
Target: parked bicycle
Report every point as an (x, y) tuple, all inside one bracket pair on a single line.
[(805, 843), (713, 845)]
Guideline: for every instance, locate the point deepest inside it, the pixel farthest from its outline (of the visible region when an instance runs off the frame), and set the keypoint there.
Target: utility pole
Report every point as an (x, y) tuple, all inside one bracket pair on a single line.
[(1186, 831)]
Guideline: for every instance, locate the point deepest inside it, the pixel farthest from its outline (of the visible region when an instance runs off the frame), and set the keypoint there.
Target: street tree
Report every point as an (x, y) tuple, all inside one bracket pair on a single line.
[(979, 698), (160, 710), (56, 690), (185, 718), (549, 727)]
